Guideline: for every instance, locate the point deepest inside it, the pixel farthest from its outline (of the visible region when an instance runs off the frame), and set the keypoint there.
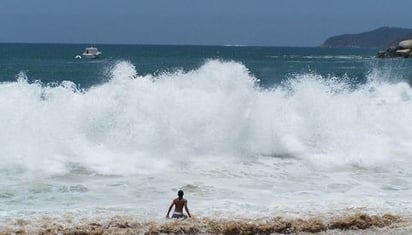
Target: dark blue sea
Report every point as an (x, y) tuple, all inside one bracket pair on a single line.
[(53, 63)]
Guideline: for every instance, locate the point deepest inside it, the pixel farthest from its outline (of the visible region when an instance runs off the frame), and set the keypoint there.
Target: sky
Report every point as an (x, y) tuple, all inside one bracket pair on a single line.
[(196, 22)]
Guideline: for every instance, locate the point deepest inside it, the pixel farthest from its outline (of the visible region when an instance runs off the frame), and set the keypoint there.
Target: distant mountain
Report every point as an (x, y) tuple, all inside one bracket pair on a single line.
[(383, 37)]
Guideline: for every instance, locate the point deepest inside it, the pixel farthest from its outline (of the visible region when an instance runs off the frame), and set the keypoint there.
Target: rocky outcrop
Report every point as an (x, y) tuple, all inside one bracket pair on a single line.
[(403, 49)]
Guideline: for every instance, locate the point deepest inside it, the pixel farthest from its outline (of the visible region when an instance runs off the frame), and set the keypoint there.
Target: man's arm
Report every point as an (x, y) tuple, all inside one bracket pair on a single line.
[(170, 208), (187, 209)]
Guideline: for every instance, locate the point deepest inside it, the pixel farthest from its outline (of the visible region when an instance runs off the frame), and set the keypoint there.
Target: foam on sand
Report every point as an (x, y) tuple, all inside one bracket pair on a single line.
[(205, 225)]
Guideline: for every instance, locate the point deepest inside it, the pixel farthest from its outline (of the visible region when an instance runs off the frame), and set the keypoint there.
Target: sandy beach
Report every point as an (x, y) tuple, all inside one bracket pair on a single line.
[(348, 224)]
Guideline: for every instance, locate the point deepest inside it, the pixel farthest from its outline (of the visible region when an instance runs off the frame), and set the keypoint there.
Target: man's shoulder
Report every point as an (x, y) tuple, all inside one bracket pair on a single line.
[(177, 200)]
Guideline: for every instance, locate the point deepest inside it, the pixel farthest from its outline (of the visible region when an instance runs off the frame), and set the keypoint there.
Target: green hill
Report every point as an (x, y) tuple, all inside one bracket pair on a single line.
[(383, 37)]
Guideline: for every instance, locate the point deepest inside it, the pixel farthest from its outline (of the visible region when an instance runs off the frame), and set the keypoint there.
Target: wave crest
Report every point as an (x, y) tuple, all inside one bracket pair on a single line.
[(133, 123)]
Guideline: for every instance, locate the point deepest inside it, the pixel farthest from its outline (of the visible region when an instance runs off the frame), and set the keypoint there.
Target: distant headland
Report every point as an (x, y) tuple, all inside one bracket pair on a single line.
[(383, 37)]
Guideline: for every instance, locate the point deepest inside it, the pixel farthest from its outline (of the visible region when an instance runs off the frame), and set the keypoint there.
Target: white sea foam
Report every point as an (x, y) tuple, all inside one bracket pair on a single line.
[(213, 132), (216, 110)]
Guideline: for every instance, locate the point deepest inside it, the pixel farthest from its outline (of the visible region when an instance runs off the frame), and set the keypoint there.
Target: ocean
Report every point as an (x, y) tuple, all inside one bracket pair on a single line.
[(248, 133)]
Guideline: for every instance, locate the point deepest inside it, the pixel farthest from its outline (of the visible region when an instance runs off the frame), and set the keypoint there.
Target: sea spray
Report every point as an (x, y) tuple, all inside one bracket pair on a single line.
[(314, 145), (132, 123), (300, 135)]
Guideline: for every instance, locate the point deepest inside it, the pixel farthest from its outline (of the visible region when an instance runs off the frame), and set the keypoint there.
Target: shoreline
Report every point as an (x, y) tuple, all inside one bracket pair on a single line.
[(353, 223)]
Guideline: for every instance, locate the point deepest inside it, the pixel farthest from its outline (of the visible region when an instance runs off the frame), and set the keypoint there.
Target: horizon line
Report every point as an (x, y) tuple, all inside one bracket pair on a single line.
[(157, 44)]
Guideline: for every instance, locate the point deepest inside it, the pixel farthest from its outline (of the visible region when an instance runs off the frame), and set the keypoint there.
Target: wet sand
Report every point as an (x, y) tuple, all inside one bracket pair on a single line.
[(348, 224)]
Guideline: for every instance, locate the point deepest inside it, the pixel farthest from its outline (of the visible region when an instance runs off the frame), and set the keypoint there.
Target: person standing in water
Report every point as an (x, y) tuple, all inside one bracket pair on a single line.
[(179, 203)]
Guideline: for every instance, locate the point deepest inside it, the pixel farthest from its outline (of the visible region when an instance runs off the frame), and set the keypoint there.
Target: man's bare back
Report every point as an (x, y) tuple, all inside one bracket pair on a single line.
[(179, 203)]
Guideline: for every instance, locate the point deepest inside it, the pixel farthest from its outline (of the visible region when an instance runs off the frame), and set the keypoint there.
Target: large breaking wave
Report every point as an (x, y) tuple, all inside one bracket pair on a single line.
[(134, 124)]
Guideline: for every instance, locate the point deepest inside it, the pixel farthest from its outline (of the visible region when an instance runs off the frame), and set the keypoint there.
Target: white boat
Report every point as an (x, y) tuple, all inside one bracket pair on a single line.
[(91, 53)]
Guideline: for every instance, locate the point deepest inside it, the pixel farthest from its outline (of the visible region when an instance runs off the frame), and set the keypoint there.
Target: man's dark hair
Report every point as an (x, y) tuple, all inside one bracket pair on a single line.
[(180, 194)]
